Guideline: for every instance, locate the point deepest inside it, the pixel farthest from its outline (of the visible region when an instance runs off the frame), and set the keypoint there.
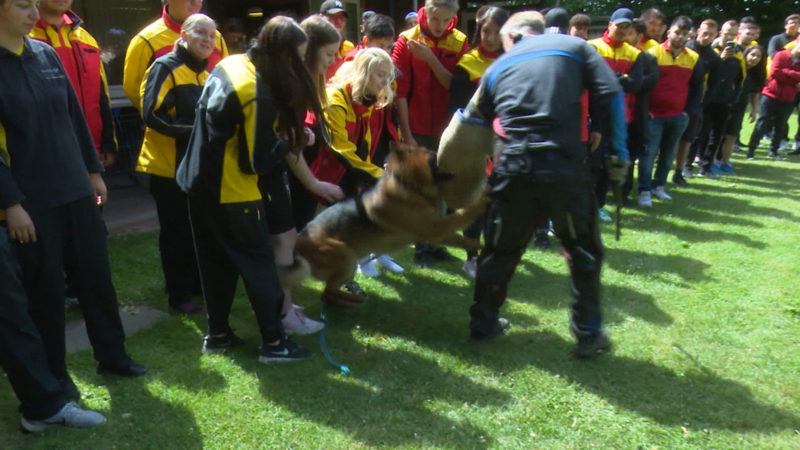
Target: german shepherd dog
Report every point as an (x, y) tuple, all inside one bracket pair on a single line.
[(405, 206)]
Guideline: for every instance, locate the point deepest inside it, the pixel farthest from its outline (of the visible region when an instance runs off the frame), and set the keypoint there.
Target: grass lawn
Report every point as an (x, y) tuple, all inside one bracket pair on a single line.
[(700, 297)]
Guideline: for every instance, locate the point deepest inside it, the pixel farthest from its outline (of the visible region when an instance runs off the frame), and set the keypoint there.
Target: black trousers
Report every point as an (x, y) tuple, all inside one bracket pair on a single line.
[(175, 244), (771, 113), (715, 123), (22, 352), (76, 232), (635, 148), (232, 240), (521, 198)]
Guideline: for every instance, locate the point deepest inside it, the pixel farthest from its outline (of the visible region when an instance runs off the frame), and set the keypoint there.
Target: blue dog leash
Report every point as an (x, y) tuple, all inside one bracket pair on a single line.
[(324, 347)]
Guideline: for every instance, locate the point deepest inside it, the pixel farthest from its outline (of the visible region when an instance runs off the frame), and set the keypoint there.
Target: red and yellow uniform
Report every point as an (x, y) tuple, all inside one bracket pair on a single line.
[(670, 95), (153, 42), (648, 44), (356, 130), (620, 57), (80, 56), (428, 100)]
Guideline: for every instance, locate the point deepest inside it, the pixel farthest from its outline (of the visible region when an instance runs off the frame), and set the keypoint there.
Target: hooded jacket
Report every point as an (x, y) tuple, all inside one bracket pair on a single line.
[(80, 56), (153, 42), (428, 100)]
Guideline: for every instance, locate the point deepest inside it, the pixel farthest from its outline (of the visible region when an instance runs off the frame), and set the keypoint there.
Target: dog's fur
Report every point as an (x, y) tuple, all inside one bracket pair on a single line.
[(404, 207), (462, 152)]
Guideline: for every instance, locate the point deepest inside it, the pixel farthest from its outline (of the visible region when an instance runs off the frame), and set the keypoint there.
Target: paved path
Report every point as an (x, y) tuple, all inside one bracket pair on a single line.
[(133, 320)]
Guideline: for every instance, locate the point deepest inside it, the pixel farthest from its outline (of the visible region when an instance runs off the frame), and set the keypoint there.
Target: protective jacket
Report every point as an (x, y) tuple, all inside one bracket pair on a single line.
[(80, 56), (680, 85), (233, 139), (428, 100), (153, 42), (169, 94), (783, 78), (355, 131), (725, 83), (533, 91), (46, 150)]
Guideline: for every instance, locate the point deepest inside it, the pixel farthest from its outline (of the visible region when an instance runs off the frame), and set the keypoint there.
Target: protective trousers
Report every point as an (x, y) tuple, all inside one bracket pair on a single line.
[(525, 190)]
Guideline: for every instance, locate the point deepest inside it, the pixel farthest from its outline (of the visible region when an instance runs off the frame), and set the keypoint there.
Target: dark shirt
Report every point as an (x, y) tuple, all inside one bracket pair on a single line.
[(778, 42), (46, 151), (534, 90)]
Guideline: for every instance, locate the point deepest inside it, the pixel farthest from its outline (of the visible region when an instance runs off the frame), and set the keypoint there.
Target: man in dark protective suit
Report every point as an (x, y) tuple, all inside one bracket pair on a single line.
[(532, 97)]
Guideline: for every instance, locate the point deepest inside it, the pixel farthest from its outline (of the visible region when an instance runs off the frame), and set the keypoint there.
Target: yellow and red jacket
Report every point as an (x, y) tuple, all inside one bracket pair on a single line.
[(428, 100), (676, 78), (153, 42), (355, 131), (341, 56), (234, 138), (80, 56), (170, 91), (621, 58), (648, 44)]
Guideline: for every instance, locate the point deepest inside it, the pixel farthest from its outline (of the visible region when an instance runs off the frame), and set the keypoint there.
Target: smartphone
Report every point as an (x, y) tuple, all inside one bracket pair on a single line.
[(730, 43)]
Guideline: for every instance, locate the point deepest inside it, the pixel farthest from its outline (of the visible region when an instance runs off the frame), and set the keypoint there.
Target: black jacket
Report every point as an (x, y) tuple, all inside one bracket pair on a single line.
[(46, 151)]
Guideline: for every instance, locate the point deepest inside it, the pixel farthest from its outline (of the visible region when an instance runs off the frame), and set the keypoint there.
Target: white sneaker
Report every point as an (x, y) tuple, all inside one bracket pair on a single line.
[(687, 172), (660, 194), (71, 415), (644, 199), (470, 267), (784, 145), (388, 263), (295, 322), (367, 268)]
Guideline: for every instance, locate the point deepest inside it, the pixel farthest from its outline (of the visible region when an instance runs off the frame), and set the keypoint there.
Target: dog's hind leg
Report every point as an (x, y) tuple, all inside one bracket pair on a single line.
[(333, 293)]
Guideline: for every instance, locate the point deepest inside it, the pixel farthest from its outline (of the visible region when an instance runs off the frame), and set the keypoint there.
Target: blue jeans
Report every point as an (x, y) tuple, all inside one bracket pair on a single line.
[(662, 138)]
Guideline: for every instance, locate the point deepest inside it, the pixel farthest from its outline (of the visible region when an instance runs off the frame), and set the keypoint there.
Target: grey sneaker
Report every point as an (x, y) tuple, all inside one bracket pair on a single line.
[(71, 415)]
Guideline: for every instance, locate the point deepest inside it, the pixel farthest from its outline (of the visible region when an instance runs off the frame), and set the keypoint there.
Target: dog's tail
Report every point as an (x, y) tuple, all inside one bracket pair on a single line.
[(293, 275)]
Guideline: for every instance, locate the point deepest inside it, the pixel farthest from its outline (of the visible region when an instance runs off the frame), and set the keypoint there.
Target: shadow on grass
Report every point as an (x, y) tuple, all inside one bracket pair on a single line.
[(385, 401), (657, 266)]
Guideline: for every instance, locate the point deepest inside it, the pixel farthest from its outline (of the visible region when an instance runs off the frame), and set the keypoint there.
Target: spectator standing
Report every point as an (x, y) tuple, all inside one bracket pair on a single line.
[(169, 94), (676, 96), (755, 59), (656, 23), (777, 99), (790, 27), (579, 26), (425, 57), (251, 112), (50, 188), (336, 14), (80, 56), (158, 39)]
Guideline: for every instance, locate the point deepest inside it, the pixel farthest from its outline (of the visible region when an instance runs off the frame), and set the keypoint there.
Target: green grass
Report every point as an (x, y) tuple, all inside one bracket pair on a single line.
[(700, 297)]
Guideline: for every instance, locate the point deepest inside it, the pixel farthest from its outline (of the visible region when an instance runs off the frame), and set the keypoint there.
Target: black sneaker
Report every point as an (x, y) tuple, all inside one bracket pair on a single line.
[(500, 328), (594, 345), (218, 343), (285, 350), (125, 367), (678, 179), (440, 253)]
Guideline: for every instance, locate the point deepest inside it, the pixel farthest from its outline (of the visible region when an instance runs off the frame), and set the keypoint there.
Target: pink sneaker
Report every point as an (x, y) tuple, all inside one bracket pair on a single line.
[(295, 322)]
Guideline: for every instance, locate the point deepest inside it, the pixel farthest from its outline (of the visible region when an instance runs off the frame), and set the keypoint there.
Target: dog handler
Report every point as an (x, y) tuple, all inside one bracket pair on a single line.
[(532, 95), (250, 115)]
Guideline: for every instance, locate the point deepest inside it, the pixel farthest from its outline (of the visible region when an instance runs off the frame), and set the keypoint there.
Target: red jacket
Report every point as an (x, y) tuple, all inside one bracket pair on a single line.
[(428, 100), (80, 56), (783, 78)]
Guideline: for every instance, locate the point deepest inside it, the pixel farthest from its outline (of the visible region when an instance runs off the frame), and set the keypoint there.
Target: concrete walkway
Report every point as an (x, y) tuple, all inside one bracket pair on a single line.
[(133, 320)]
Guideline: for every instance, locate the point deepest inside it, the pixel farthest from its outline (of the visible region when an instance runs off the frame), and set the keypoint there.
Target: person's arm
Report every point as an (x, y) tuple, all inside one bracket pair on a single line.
[(401, 57), (108, 140), (421, 50), (137, 59), (10, 194), (158, 102), (461, 89), (753, 106), (695, 95), (782, 69), (328, 191), (632, 82)]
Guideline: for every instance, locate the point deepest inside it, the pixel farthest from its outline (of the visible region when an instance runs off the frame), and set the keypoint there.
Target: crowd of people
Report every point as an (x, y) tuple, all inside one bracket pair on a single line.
[(243, 143)]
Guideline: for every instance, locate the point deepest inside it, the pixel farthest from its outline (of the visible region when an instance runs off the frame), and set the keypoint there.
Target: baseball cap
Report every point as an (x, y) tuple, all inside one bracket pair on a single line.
[(622, 15), (331, 7)]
